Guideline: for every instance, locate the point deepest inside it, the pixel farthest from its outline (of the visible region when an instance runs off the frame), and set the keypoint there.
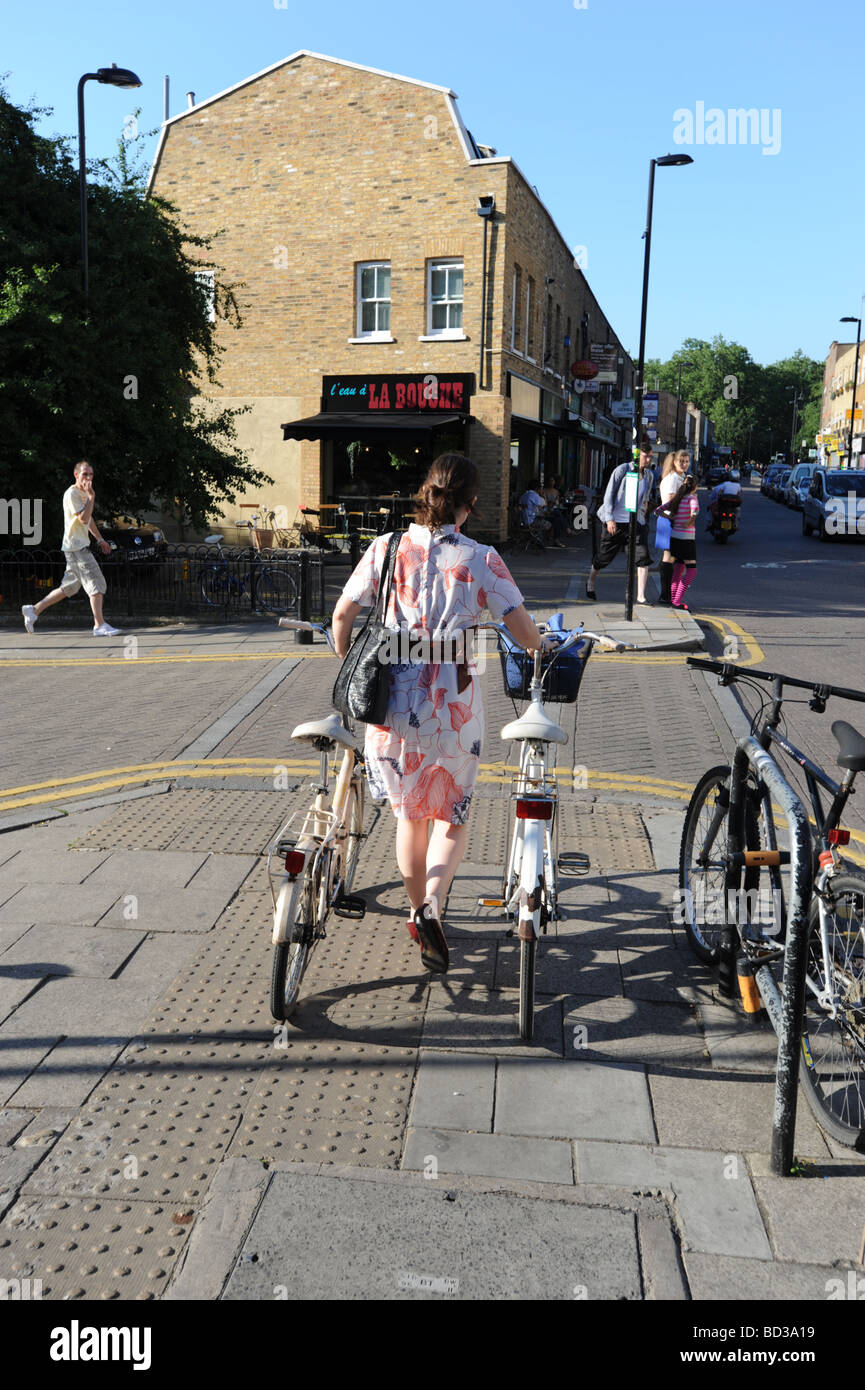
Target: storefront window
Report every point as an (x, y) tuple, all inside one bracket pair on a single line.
[(373, 298), (445, 297)]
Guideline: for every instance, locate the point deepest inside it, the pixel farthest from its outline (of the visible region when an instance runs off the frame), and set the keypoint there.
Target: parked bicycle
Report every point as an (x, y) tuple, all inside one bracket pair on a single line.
[(312, 861), (530, 894), (271, 586), (832, 1061)]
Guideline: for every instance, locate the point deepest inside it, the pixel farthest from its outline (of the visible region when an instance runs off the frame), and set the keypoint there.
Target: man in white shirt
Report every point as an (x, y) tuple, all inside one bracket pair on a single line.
[(81, 566), (533, 505), (726, 488)]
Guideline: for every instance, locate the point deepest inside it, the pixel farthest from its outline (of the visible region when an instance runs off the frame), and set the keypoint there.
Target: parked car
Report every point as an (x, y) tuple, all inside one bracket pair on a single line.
[(778, 484), (143, 545), (798, 485), (835, 503), (768, 477)]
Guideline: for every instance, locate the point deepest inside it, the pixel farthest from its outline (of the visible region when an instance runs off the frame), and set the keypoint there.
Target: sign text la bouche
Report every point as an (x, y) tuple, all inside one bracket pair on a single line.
[(423, 392)]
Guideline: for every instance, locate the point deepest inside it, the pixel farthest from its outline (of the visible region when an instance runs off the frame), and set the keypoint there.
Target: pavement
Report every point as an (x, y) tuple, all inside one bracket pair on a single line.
[(162, 1138)]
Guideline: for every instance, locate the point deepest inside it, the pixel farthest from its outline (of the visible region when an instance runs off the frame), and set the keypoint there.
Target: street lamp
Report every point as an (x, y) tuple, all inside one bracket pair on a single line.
[(848, 318), (111, 77), (797, 397), (678, 389), (665, 161)]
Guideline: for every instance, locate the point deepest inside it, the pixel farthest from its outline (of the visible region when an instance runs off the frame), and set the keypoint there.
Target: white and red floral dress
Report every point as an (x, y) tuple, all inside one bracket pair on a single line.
[(426, 760)]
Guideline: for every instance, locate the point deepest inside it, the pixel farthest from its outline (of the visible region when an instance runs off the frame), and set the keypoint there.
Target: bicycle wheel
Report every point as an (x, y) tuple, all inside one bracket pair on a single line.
[(354, 821), (276, 591), (214, 585), (533, 896), (290, 958), (832, 1066), (701, 867), (528, 958)]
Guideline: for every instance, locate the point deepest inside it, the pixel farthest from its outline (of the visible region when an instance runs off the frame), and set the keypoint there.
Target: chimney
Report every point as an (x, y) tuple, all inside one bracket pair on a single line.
[(190, 97)]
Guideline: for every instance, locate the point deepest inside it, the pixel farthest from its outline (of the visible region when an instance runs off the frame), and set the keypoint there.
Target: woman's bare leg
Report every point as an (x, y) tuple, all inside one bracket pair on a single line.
[(444, 855), (411, 856)]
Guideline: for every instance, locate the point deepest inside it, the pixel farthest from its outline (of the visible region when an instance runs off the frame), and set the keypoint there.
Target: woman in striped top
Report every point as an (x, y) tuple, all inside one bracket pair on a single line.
[(679, 501)]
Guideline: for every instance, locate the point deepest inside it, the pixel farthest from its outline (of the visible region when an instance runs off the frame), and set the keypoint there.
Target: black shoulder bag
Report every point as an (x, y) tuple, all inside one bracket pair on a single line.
[(362, 687)]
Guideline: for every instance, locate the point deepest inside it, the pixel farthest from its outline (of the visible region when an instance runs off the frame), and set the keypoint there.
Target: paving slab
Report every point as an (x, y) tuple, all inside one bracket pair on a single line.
[(163, 909), (735, 1045), (79, 905), (80, 1007), (716, 1112), (66, 866), (572, 1099), (69, 1073), (13, 1122), (20, 1056), (717, 1278), (563, 965), (453, 1091), (13, 991), (816, 1220), (226, 873), (652, 973), (443, 1151), (719, 1214), (633, 1030), (127, 870), (159, 958), (459, 1019), (328, 1238), (45, 951)]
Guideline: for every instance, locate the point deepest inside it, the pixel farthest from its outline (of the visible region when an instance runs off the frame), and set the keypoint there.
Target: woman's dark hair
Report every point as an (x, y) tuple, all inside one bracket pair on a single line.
[(451, 484)]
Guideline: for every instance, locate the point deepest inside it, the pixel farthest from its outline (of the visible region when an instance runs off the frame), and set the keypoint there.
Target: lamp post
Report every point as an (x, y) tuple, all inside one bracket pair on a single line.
[(797, 397), (112, 77), (848, 318), (678, 390), (665, 161)]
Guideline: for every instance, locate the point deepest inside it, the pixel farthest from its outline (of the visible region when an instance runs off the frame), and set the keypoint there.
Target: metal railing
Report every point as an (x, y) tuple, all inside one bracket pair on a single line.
[(181, 580)]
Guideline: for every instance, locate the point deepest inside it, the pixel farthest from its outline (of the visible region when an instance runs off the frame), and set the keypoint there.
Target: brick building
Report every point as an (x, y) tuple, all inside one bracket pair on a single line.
[(403, 290)]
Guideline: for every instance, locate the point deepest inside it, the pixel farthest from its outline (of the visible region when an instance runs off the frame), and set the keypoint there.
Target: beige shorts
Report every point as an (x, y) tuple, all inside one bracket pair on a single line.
[(82, 569)]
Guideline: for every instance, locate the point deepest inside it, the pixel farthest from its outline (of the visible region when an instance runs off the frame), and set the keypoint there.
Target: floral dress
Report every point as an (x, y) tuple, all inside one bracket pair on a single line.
[(426, 760)]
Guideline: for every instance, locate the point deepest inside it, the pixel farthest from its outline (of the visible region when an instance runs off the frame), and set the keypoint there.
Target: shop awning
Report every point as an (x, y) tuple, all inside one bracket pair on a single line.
[(341, 425)]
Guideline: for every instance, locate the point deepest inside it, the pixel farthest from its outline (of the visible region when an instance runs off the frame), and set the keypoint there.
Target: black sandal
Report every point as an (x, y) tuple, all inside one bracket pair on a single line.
[(433, 947)]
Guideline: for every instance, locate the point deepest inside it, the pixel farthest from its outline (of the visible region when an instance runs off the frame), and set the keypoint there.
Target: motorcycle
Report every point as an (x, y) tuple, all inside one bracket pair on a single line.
[(726, 523)]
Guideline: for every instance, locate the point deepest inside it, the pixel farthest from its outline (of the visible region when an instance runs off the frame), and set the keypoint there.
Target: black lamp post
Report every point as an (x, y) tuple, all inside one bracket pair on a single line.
[(797, 397), (848, 318), (112, 77), (665, 161)]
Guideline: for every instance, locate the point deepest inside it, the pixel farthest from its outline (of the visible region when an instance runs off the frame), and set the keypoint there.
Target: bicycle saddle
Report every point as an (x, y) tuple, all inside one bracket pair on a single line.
[(535, 724), (852, 746), (331, 728)]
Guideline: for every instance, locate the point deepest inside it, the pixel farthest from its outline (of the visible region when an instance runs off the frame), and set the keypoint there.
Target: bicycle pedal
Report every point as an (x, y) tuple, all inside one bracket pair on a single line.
[(574, 862), (350, 905)]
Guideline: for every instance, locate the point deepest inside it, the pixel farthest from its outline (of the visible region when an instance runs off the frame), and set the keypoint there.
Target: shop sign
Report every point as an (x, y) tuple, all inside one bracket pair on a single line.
[(623, 410), (590, 388), (650, 405), (606, 358), (583, 370), (423, 392)]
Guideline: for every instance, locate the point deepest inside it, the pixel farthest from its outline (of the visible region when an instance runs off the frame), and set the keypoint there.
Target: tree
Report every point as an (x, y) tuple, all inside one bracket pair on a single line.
[(122, 385)]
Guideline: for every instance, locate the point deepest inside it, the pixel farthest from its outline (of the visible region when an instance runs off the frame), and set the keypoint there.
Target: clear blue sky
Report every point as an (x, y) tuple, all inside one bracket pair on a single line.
[(766, 249)]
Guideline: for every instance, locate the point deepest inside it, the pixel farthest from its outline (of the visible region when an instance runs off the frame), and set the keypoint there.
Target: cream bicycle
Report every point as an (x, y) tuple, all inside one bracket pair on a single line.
[(312, 860)]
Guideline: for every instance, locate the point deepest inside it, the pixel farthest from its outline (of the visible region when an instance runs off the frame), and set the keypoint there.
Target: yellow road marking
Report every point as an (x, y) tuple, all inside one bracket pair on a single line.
[(755, 651), (133, 661)]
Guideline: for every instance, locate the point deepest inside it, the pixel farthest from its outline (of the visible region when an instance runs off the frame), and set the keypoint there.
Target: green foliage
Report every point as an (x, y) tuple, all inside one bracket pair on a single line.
[(744, 399), (121, 385)]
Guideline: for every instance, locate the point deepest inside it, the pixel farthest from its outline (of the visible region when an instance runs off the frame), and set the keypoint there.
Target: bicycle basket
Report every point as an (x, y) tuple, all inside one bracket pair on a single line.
[(561, 684)]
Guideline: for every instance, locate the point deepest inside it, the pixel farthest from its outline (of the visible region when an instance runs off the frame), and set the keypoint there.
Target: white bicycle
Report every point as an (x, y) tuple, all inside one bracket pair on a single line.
[(530, 882)]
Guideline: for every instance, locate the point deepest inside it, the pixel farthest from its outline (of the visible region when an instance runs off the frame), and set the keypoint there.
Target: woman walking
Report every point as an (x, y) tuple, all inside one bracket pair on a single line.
[(678, 503), (425, 760)]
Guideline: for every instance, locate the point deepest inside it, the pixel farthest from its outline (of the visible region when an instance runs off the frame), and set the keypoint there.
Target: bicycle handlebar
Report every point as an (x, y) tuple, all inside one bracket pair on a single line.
[(297, 625), (730, 673)]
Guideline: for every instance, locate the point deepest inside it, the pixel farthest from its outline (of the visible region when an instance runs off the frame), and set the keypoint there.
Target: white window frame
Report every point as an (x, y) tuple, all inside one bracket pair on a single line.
[(438, 333), (374, 335), (206, 282)]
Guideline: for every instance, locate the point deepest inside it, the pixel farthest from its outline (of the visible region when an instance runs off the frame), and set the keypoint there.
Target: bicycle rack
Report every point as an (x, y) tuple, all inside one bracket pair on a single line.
[(785, 1013)]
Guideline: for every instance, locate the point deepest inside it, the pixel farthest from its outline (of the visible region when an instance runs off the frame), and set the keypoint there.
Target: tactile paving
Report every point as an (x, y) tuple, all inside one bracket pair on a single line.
[(330, 1102), (84, 1248), (613, 835), (227, 822)]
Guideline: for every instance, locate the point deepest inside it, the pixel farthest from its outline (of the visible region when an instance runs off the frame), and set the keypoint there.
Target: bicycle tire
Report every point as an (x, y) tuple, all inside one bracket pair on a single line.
[(214, 585), (354, 821), (832, 1062), (704, 938), (276, 591), (291, 958), (528, 958)]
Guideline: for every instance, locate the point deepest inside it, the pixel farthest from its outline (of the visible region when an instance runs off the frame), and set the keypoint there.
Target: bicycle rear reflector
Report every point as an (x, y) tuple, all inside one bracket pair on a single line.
[(838, 837), (294, 862), (534, 810)]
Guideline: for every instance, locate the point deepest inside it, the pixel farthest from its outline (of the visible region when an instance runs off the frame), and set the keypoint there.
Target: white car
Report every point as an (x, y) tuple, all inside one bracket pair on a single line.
[(835, 503)]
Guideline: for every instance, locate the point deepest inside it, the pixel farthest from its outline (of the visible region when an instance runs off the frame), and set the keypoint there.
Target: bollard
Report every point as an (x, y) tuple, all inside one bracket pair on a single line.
[(303, 639), (354, 550)]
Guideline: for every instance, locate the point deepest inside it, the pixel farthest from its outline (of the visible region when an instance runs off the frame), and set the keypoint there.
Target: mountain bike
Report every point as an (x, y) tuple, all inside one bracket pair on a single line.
[(530, 895), (312, 861), (832, 1061), (271, 587)]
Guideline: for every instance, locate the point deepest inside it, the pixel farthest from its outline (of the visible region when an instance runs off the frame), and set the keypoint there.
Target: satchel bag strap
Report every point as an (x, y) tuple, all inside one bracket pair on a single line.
[(386, 580)]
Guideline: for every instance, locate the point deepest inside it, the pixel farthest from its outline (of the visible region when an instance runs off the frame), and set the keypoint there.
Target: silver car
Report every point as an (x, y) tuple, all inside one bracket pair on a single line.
[(835, 503), (798, 485)]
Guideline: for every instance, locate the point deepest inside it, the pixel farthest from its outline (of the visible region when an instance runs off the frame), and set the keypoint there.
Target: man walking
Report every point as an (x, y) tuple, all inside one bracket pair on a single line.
[(614, 519), (81, 566)]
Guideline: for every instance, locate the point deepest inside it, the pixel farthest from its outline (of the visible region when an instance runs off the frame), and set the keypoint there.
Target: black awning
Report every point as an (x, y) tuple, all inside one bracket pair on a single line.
[(340, 425)]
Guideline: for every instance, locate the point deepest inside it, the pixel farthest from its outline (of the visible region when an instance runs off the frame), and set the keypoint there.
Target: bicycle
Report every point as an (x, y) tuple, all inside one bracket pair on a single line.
[(832, 1059), (272, 589), (529, 896), (312, 860)]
